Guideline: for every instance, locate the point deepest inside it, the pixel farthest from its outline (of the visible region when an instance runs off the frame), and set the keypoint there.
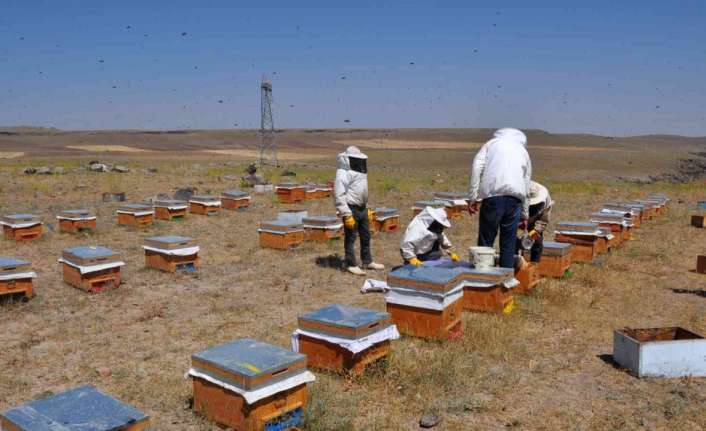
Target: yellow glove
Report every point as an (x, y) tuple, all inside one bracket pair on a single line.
[(455, 257), (416, 262), (349, 222), (370, 215)]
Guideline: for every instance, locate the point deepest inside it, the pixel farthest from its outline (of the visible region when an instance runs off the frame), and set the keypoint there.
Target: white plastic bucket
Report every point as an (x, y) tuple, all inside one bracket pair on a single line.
[(482, 257)]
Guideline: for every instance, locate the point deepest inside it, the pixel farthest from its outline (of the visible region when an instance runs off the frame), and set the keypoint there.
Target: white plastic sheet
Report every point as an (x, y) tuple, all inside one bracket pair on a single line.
[(177, 207), (353, 346), (207, 203), (371, 285), (18, 275), (137, 213), (21, 225), (87, 269), (255, 395), (186, 251)]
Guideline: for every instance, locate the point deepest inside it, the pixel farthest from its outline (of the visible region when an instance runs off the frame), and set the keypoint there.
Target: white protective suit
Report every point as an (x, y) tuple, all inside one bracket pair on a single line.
[(418, 239), (351, 187), (502, 167)]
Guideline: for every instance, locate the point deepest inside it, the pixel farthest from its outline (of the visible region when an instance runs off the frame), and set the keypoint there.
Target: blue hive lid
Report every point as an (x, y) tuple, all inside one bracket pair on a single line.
[(81, 409), (248, 357), (169, 239), (87, 252), (6, 262), (345, 315)]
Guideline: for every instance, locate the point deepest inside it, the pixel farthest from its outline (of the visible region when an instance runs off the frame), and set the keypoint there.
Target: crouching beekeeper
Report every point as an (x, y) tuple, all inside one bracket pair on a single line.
[(425, 239), (540, 209), (350, 194)]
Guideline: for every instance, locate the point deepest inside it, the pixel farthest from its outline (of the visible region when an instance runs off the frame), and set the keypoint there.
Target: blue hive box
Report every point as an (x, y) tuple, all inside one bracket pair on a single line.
[(81, 409), (344, 321)]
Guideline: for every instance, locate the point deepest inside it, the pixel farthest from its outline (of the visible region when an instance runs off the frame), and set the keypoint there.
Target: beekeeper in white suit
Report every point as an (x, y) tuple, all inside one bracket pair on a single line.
[(425, 239), (350, 194)]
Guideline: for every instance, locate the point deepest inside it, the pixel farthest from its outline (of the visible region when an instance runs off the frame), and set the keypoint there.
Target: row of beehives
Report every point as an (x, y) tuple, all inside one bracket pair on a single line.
[(289, 193)]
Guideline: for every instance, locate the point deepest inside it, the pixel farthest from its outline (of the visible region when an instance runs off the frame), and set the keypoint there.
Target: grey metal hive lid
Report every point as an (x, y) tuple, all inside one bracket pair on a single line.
[(320, 219), (75, 213), (90, 252), (431, 203), (248, 357), (205, 198), (11, 262), (168, 202), (384, 211), (429, 274), (607, 216), (235, 193), (169, 239), (579, 226), (557, 245), (20, 217), (81, 409), (134, 207), (345, 316), (280, 225), (288, 185)]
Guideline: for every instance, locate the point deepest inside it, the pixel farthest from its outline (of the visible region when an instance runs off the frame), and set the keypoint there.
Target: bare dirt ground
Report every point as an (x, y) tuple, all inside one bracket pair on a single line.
[(544, 367)]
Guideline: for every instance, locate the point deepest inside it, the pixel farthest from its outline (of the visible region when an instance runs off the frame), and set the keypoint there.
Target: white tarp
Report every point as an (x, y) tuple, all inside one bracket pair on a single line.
[(186, 251), (93, 268), (372, 285), (79, 218), (354, 346), (255, 395), (20, 225), (206, 203), (18, 275), (137, 213)]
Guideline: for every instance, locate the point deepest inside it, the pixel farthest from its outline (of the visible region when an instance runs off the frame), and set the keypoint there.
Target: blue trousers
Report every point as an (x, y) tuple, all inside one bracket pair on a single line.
[(500, 213)]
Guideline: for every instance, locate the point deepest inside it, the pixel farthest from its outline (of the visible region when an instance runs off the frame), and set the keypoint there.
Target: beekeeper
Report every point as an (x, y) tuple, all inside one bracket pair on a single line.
[(499, 187), (350, 194), (540, 209), (425, 239)]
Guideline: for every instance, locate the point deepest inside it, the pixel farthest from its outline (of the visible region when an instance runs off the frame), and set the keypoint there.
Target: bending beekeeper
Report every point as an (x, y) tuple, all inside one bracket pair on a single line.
[(425, 239), (350, 194), (540, 209), (500, 185)]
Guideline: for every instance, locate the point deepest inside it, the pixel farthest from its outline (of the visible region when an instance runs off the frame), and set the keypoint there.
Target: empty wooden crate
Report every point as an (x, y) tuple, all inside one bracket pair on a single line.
[(16, 277), (344, 339), (290, 193), (21, 227), (280, 235), (235, 199), (556, 259), (93, 269), (170, 209), (204, 205), (73, 221), (136, 215), (249, 385), (81, 409), (322, 228), (172, 253), (385, 220), (585, 237)]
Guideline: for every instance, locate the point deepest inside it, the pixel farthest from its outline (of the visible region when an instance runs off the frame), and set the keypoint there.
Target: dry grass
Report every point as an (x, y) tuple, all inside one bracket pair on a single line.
[(281, 155), (395, 144), (11, 154)]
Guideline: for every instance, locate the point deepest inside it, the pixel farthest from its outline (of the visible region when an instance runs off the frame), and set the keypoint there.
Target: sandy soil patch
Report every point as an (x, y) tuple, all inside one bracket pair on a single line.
[(581, 149), (281, 155), (396, 144), (11, 154), (107, 148)]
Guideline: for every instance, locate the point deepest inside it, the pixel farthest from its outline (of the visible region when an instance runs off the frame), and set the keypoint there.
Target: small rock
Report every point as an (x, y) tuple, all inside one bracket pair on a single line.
[(429, 420), (98, 167), (185, 193), (121, 169), (152, 170), (44, 170), (104, 371), (288, 173), (29, 170), (59, 170)]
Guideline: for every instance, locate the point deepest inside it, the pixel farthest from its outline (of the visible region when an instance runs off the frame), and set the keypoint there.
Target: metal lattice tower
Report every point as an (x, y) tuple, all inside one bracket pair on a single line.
[(268, 146)]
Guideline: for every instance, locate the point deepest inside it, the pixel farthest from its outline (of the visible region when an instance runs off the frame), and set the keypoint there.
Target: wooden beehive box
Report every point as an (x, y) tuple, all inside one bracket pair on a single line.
[(170, 209), (280, 235), (290, 193), (310, 192), (21, 227), (172, 253), (204, 205), (16, 277), (556, 259), (385, 220), (701, 264), (323, 191), (235, 199), (93, 269), (73, 221), (458, 202), (618, 224), (607, 240), (635, 212), (434, 203), (657, 205), (583, 236), (648, 210), (489, 290), (249, 385), (326, 335), (136, 215), (698, 221), (81, 409), (528, 277), (322, 228)]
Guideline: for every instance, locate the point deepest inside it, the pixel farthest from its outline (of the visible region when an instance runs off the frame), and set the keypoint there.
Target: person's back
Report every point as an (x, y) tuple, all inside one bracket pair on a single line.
[(507, 165)]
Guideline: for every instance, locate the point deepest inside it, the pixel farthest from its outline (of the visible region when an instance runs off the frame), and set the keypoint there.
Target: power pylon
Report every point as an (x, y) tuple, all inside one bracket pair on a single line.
[(268, 146)]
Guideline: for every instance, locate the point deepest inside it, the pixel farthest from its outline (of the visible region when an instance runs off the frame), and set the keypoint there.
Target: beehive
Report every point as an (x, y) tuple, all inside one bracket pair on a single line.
[(290, 193), (701, 264), (81, 409), (635, 212), (310, 192), (249, 385), (323, 191), (458, 202), (170, 209), (280, 235), (648, 209), (235, 199), (73, 221), (16, 277), (618, 224), (292, 216), (344, 339), (606, 240), (698, 221), (114, 197), (451, 212), (657, 205), (489, 290), (528, 277), (585, 237), (136, 215), (93, 269), (322, 228), (21, 227), (556, 259), (385, 220), (204, 205), (172, 253)]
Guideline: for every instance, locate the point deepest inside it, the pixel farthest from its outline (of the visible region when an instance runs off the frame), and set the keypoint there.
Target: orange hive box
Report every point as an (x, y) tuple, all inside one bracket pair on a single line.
[(607, 241), (73, 221), (701, 264), (323, 191), (136, 215), (280, 234), (556, 259), (632, 211), (16, 277), (657, 205), (648, 209), (21, 227), (172, 253), (235, 199), (528, 276), (385, 220), (170, 209), (248, 385), (93, 269), (290, 193), (618, 224), (344, 339), (322, 228), (458, 202), (204, 205), (310, 192), (585, 238)]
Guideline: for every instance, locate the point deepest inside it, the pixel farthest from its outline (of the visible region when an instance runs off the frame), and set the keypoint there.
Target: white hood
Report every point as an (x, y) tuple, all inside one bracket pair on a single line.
[(350, 188), (418, 239)]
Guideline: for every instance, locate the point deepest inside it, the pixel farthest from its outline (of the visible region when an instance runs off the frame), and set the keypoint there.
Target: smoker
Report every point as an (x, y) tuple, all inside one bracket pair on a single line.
[(322, 228), (280, 234), (172, 253), (16, 277), (585, 237), (250, 385), (344, 339), (204, 205), (235, 199), (170, 209), (21, 227), (78, 409), (93, 269), (74, 221), (136, 215), (385, 220), (289, 193)]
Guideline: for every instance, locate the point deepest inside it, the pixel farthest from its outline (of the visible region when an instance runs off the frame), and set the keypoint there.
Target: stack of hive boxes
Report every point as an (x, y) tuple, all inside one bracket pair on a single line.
[(136, 215), (21, 227), (620, 225), (322, 228), (204, 205), (699, 220), (170, 209), (290, 193), (93, 269), (385, 220), (73, 221), (585, 237), (172, 253), (16, 277), (235, 199)]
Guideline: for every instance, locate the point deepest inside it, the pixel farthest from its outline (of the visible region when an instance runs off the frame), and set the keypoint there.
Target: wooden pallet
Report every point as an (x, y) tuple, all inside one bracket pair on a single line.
[(93, 282), (201, 209), (141, 221), (701, 264), (494, 299), (281, 241), (234, 204), (74, 226), (322, 235), (229, 409), (528, 276), (169, 263), (584, 248), (18, 286), (698, 221), (554, 266), (332, 357), (22, 233), (164, 213), (433, 324)]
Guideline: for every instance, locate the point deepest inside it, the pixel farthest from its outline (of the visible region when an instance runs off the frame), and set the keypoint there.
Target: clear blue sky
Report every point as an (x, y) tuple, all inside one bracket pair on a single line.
[(609, 67)]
